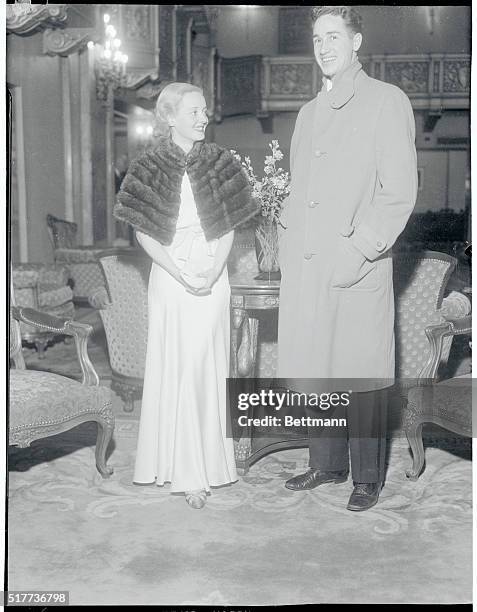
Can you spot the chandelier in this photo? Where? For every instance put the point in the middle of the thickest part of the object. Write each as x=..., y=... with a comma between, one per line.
x=110, y=62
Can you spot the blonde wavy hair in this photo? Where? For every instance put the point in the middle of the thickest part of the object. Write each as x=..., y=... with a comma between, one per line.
x=167, y=104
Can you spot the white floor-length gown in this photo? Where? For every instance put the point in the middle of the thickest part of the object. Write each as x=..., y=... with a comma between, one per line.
x=182, y=431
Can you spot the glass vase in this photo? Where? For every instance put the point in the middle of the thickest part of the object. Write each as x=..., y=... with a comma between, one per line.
x=266, y=249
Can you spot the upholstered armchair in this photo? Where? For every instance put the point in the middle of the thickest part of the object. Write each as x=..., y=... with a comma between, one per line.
x=81, y=261
x=433, y=397
x=122, y=305
x=420, y=281
x=45, y=288
x=43, y=404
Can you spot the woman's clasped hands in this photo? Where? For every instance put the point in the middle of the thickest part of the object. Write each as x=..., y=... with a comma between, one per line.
x=199, y=283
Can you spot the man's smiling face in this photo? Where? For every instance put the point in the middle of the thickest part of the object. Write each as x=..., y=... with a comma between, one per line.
x=334, y=44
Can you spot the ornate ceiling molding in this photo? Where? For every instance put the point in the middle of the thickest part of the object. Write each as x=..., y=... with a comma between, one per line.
x=67, y=41
x=25, y=18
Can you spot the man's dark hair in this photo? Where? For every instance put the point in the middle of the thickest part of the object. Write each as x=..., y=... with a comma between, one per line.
x=352, y=18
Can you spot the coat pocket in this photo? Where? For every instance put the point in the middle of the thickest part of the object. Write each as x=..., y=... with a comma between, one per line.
x=352, y=265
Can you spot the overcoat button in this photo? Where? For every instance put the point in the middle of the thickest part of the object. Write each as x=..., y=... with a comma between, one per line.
x=313, y=204
x=308, y=255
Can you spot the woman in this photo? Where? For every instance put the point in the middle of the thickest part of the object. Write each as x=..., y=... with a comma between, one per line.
x=184, y=197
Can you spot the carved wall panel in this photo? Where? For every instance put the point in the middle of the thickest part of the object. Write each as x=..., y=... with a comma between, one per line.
x=411, y=76
x=456, y=76
x=291, y=79
x=138, y=23
x=239, y=90
x=432, y=82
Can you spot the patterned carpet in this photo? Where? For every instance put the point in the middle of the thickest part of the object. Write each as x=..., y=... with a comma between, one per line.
x=110, y=542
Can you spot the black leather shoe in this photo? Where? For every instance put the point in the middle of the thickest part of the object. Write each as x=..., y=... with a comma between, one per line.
x=365, y=495
x=313, y=477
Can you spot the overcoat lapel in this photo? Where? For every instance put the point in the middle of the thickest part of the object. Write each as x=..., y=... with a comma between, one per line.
x=328, y=102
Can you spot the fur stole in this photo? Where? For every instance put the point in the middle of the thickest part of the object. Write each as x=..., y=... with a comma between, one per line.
x=149, y=198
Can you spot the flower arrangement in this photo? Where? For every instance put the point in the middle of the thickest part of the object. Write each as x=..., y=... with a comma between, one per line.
x=274, y=187
x=271, y=190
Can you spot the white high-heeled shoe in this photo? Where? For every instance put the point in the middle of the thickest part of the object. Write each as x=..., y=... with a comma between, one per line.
x=196, y=499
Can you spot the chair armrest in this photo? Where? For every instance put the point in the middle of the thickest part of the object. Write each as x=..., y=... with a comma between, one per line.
x=460, y=326
x=436, y=334
x=42, y=320
x=99, y=298
x=79, y=331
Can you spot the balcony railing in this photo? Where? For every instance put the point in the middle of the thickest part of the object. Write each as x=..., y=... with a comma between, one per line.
x=263, y=85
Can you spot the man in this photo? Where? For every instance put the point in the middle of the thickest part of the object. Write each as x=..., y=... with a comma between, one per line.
x=354, y=185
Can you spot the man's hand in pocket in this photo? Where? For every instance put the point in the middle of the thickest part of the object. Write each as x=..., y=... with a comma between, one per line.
x=351, y=266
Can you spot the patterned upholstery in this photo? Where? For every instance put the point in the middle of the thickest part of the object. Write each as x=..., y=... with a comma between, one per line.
x=125, y=317
x=44, y=398
x=54, y=297
x=419, y=284
x=43, y=287
x=26, y=278
x=81, y=262
x=86, y=277
x=78, y=255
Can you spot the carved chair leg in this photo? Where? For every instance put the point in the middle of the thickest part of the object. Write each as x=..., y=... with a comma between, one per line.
x=414, y=437
x=243, y=451
x=105, y=434
x=40, y=347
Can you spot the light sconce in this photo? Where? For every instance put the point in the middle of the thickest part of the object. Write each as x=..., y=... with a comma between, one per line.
x=110, y=62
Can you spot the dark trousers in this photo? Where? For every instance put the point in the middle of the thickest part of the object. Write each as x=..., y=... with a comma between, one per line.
x=362, y=443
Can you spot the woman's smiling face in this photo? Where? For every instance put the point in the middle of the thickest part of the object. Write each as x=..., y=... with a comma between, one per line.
x=190, y=119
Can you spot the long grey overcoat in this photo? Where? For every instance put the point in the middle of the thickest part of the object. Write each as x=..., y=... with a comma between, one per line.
x=354, y=185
